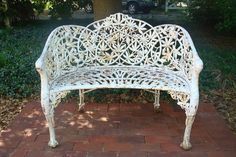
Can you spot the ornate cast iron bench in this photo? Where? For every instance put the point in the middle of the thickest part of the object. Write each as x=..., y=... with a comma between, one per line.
x=120, y=52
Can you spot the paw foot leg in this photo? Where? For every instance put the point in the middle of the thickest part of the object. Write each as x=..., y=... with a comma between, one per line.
x=53, y=143
x=186, y=145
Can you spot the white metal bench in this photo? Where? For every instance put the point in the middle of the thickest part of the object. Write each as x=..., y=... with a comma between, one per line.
x=120, y=52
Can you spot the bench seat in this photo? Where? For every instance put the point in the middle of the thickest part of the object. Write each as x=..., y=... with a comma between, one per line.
x=136, y=77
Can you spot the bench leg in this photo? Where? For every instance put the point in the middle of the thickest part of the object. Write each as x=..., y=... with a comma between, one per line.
x=51, y=124
x=186, y=145
x=49, y=115
x=157, y=101
x=81, y=100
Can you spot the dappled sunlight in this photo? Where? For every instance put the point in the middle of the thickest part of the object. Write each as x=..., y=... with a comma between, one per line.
x=103, y=119
x=80, y=131
x=85, y=124
x=8, y=132
x=5, y=131
x=64, y=113
x=28, y=132
x=72, y=123
x=2, y=144
x=81, y=117
x=87, y=119
x=34, y=113
x=89, y=114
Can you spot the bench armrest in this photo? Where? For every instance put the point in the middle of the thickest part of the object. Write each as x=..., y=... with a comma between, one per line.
x=40, y=63
x=52, y=62
x=197, y=62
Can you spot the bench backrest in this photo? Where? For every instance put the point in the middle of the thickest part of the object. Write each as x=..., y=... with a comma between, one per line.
x=119, y=40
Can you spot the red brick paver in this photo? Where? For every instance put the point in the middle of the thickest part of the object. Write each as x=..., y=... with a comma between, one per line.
x=117, y=130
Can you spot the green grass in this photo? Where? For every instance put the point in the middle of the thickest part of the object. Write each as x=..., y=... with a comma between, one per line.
x=21, y=46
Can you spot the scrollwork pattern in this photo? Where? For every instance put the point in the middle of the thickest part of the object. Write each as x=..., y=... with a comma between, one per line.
x=120, y=41
x=120, y=52
x=56, y=97
x=183, y=100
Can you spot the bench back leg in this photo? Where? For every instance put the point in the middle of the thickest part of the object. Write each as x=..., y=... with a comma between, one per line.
x=157, y=101
x=81, y=100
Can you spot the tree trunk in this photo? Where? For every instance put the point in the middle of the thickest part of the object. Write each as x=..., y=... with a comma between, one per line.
x=6, y=21
x=6, y=18
x=103, y=8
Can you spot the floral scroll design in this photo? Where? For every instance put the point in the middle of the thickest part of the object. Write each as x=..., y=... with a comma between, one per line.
x=119, y=40
x=56, y=97
x=122, y=40
x=65, y=51
x=183, y=100
x=169, y=47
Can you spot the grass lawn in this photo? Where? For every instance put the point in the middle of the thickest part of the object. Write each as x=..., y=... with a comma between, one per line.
x=20, y=47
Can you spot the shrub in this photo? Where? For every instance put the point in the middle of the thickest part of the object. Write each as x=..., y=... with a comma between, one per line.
x=2, y=60
x=63, y=8
x=16, y=10
x=19, y=49
x=39, y=5
x=221, y=14
x=21, y=10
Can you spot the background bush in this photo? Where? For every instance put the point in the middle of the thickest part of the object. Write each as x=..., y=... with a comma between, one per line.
x=17, y=10
x=26, y=10
x=220, y=14
x=19, y=50
x=62, y=8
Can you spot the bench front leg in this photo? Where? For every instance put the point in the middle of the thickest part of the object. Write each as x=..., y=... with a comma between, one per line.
x=51, y=125
x=48, y=111
x=191, y=110
x=186, y=145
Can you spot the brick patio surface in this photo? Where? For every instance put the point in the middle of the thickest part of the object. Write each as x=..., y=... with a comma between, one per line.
x=117, y=130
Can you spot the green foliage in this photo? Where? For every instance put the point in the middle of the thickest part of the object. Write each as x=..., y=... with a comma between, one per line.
x=219, y=13
x=18, y=52
x=63, y=8
x=218, y=72
x=25, y=10
x=39, y=5
x=20, y=10
x=227, y=19
x=16, y=10
x=3, y=6
x=2, y=60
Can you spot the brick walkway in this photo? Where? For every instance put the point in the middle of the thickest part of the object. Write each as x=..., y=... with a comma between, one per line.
x=117, y=130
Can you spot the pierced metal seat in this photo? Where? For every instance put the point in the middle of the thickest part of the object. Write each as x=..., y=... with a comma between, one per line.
x=122, y=77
